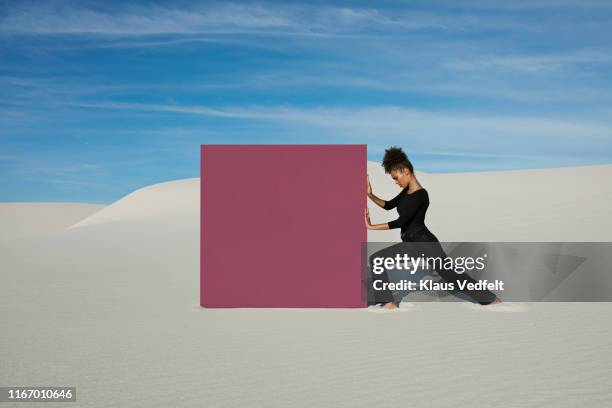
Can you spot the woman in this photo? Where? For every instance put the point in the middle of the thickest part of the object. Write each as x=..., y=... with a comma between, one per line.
x=412, y=203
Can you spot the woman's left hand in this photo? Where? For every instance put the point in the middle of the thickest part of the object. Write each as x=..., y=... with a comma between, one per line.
x=367, y=218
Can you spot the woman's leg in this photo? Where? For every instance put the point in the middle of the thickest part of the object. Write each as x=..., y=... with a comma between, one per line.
x=385, y=295
x=382, y=279
x=484, y=297
x=427, y=249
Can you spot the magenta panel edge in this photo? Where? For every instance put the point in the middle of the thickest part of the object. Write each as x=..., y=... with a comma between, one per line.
x=282, y=225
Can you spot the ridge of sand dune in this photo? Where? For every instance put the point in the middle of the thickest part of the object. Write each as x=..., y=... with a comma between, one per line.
x=555, y=204
x=171, y=198
x=567, y=204
x=28, y=220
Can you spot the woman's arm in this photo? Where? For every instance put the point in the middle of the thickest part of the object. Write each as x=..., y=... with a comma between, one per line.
x=369, y=225
x=388, y=205
x=408, y=211
x=378, y=201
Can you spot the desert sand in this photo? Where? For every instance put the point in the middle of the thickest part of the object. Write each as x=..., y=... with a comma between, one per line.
x=26, y=220
x=107, y=300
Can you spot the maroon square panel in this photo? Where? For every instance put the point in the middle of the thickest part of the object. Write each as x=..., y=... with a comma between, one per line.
x=282, y=225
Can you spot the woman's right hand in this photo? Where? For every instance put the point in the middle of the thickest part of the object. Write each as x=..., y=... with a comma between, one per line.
x=368, y=223
x=379, y=202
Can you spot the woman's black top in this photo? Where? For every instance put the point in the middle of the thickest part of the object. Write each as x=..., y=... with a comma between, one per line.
x=411, y=209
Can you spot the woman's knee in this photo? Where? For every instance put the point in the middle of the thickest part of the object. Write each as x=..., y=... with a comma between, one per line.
x=388, y=252
x=377, y=258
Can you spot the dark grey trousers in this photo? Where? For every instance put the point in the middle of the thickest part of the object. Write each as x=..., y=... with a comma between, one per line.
x=423, y=243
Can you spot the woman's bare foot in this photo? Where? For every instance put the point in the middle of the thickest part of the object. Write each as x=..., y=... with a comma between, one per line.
x=390, y=305
x=496, y=301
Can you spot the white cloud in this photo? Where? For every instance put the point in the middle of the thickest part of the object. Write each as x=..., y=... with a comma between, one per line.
x=222, y=18
x=518, y=5
x=529, y=63
x=70, y=18
x=393, y=119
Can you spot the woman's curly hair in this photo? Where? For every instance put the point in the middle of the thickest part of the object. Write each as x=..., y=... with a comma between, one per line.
x=396, y=159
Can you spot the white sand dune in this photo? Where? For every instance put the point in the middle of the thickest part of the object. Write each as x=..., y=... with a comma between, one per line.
x=111, y=306
x=561, y=204
x=180, y=197
x=27, y=220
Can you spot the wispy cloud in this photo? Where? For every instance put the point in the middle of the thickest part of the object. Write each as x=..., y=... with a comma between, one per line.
x=124, y=92
x=527, y=4
x=531, y=63
x=387, y=118
x=73, y=18
x=222, y=18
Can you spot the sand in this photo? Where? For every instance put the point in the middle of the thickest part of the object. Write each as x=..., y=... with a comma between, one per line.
x=544, y=205
x=27, y=220
x=112, y=307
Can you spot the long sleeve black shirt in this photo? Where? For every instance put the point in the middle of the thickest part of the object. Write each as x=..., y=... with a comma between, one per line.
x=410, y=207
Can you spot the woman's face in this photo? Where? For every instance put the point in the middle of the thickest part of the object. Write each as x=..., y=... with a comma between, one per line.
x=401, y=177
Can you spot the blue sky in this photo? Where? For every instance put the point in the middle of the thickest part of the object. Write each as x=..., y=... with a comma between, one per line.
x=98, y=99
